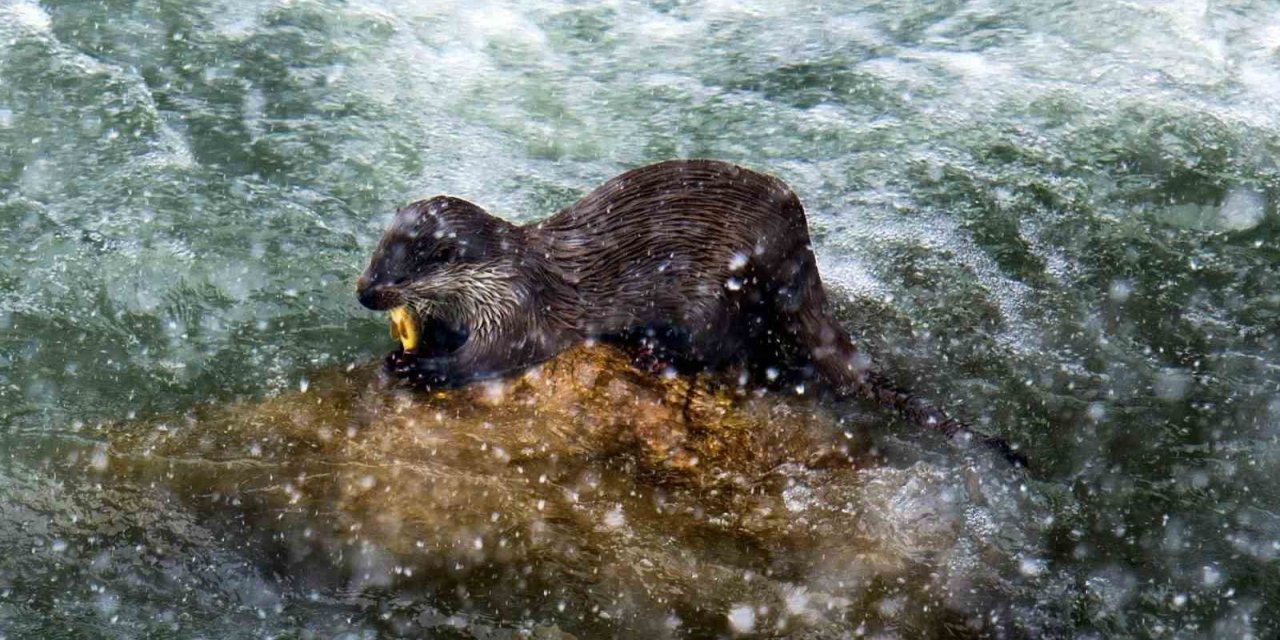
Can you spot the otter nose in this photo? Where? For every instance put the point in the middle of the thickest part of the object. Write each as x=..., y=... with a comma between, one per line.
x=378, y=297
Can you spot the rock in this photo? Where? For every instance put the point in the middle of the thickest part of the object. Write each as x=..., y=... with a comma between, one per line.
x=584, y=495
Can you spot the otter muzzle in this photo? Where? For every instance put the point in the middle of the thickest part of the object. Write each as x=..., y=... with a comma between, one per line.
x=404, y=328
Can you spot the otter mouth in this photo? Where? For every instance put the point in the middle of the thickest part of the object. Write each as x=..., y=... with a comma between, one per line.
x=426, y=336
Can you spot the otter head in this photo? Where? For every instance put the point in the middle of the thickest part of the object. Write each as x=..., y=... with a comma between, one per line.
x=445, y=267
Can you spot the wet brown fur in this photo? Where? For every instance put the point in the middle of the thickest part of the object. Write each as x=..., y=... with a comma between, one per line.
x=705, y=262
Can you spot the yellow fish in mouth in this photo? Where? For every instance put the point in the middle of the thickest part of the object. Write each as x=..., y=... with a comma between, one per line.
x=404, y=328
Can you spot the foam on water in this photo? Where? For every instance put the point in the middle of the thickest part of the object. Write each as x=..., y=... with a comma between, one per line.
x=1242, y=209
x=27, y=15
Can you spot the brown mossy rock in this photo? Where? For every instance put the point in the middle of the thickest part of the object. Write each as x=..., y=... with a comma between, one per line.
x=589, y=403
x=584, y=493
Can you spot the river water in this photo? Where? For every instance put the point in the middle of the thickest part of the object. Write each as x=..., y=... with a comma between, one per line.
x=1057, y=217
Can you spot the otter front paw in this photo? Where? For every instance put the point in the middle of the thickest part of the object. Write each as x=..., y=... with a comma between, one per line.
x=654, y=358
x=398, y=362
x=427, y=373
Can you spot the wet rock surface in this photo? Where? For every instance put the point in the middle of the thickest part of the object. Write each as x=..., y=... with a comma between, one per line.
x=583, y=497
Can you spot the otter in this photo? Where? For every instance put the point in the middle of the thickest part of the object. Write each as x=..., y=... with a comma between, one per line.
x=702, y=264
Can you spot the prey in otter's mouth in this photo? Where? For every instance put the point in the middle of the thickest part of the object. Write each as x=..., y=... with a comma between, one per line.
x=426, y=336
x=704, y=263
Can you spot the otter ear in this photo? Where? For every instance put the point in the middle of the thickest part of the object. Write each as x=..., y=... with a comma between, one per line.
x=421, y=219
x=436, y=212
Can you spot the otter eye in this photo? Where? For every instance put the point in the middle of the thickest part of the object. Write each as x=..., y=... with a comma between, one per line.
x=444, y=254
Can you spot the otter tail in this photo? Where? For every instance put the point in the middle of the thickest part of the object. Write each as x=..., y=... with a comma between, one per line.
x=870, y=385
x=834, y=356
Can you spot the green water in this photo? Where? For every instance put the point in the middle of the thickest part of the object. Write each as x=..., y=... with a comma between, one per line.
x=1058, y=218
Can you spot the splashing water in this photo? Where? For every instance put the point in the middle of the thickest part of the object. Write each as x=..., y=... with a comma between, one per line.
x=1058, y=219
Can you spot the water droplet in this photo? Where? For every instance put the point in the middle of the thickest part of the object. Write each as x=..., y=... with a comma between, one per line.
x=742, y=618
x=1120, y=290
x=1242, y=209
x=99, y=460
x=1096, y=412
x=614, y=519
x=1031, y=567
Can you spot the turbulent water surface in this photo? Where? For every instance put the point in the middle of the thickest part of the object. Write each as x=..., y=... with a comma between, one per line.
x=1057, y=218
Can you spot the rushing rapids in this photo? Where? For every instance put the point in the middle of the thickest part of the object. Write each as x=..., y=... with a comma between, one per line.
x=1057, y=220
